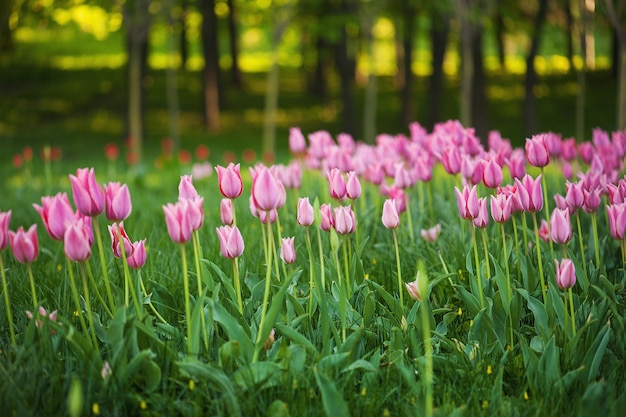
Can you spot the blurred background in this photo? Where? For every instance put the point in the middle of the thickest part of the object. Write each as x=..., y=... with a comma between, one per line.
x=235, y=75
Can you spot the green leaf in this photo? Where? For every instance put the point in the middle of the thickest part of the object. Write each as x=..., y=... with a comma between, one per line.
x=296, y=337
x=333, y=402
x=359, y=364
x=234, y=330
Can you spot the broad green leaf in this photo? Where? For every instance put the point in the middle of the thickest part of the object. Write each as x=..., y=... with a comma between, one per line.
x=296, y=337
x=333, y=402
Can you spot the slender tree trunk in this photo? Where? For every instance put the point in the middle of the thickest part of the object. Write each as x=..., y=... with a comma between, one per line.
x=578, y=13
x=530, y=112
x=319, y=86
x=467, y=64
x=235, y=70
x=371, y=90
x=345, y=66
x=172, y=82
x=569, y=21
x=440, y=28
x=407, y=107
x=210, y=74
x=6, y=37
x=616, y=17
x=184, y=45
x=499, y=26
x=480, y=104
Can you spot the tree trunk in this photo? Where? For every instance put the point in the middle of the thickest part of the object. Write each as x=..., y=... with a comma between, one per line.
x=440, y=28
x=184, y=45
x=467, y=64
x=6, y=37
x=499, y=26
x=319, y=86
x=235, y=70
x=406, y=95
x=345, y=66
x=480, y=104
x=137, y=22
x=530, y=112
x=569, y=21
x=371, y=90
x=619, y=27
x=210, y=74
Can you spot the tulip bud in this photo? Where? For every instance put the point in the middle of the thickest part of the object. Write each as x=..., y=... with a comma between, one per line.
x=305, y=212
x=565, y=273
x=390, y=216
x=287, y=250
x=24, y=244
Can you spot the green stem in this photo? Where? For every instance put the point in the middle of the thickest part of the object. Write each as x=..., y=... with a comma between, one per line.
x=517, y=253
x=266, y=293
x=565, y=329
x=571, y=307
x=400, y=289
x=145, y=294
x=237, y=287
x=321, y=253
x=525, y=235
x=594, y=225
x=7, y=301
x=508, y=279
x=539, y=263
x=547, y=208
x=486, y=253
x=346, y=269
x=583, y=260
x=187, y=303
x=93, y=283
x=480, y=282
x=428, y=347
x=342, y=298
x=79, y=310
x=127, y=281
x=88, y=305
x=197, y=254
x=310, y=251
x=105, y=273
x=409, y=218
x=276, y=250
x=32, y=288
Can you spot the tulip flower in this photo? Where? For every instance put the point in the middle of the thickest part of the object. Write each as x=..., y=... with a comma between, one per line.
x=305, y=212
x=297, y=143
x=138, y=257
x=231, y=241
x=402, y=176
x=482, y=219
x=118, y=203
x=565, y=273
x=413, y=288
x=229, y=179
x=327, y=217
x=52, y=316
x=537, y=151
x=336, y=184
x=24, y=244
x=5, y=219
x=390, y=216
x=530, y=193
x=492, y=174
x=543, y=231
x=617, y=220
x=467, y=201
x=451, y=160
x=226, y=211
x=353, y=186
x=267, y=191
x=117, y=232
x=76, y=241
x=501, y=208
x=517, y=164
x=186, y=188
x=287, y=250
x=55, y=213
x=431, y=235
x=344, y=222
x=592, y=200
x=178, y=221
x=560, y=226
x=268, y=217
x=88, y=194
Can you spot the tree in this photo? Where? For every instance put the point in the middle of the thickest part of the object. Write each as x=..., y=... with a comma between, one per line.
x=210, y=74
x=439, y=30
x=6, y=37
x=233, y=33
x=529, y=110
x=408, y=15
x=617, y=15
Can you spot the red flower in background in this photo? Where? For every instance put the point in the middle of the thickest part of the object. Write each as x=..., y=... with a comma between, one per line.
x=111, y=151
x=202, y=152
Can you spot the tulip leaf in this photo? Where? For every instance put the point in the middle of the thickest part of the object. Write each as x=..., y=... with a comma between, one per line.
x=333, y=402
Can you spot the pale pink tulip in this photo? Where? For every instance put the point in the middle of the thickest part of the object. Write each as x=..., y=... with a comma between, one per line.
x=492, y=174
x=482, y=220
x=537, y=151
x=327, y=217
x=138, y=257
x=287, y=250
x=560, y=226
x=186, y=189
x=345, y=222
x=413, y=288
x=565, y=273
x=226, y=211
x=118, y=203
x=24, y=244
x=501, y=208
x=353, y=186
x=5, y=219
x=617, y=220
x=178, y=222
x=88, y=194
x=231, y=241
x=76, y=242
x=390, y=216
x=267, y=191
x=229, y=179
x=55, y=213
x=336, y=184
x=305, y=213
x=431, y=235
x=530, y=193
x=467, y=202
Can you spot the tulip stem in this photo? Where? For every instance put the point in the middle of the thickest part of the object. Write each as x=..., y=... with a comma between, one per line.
x=486, y=253
x=310, y=251
x=145, y=294
x=197, y=254
x=237, y=287
x=275, y=249
x=409, y=218
x=539, y=263
x=128, y=284
x=480, y=282
x=400, y=289
x=321, y=252
x=79, y=310
x=508, y=279
x=594, y=225
x=525, y=235
x=547, y=204
x=580, y=243
x=571, y=307
x=517, y=254
x=105, y=273
x=32, y=287
x=92, y=281
x=342, y=298
x=266, y=293
x=7, y=301
x=88, y=305
x=346, y=268
x=428, y=347
x=187, y=304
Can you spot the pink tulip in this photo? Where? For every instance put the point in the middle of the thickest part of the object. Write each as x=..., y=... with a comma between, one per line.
x=327, y=217
x=414, y=288
x=345, y=223
x=201, y=170
x=565, y=273
x=492, y=174
x=569, y=150
x=530, y=193
x=55, y=213
x=537, y=151
x=544, y=233
x=76, y=242
x=560, y=226
x=517, y=163
x=374, y=173
x=268, y=216
x=617, y=220
x=402, y=176
x=186, y=188
x=287, y=250
x=118, y=204
x=482, y=220
x=138, y=258
x=5, y=219
x=467, y=201
x=24, y=244
x=390, y=217
x=431, y=235
x=42, y=314
x=226, y=211
x=501, y=208
x=267, y=191
x=88, y=194
x=297, y=143
x=336, y=184
x=178, y=221
x=574, y=195
x=353, y=186
x=117, y=232
x=196, y=213
x=399, y=196
x=451, y=160
x=229, y=179
x=305, y=212
x=231, y=241
x=592, y=200
x=561, y=203
x=586, y=151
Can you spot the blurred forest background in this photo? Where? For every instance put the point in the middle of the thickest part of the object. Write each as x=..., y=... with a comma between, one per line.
x=236, y=74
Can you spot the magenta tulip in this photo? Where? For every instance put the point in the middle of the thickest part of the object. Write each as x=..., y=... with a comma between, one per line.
x=287, y=250
x=76, y=242
x=390, y=217
x=345, y=222
x=231, y=241
x=482, y=220
x=492, y=174
x=138, y=258
x=88, y=194
x=592, y=200
x=574, y=195
x=178, y=222
x=543, y=231
x=537, y=151
x=467, y=202
x=327, y=217
x=517, y=163
x=226, y=211
x=501, y=208
x=118, y=203
x=353, y=186
x=5, y=219
x=560, y=226
x=305, y=212
x=229, y=179
x=55, y=213
x=267, y=191
x=297, y=143
x=24, y=244
x=117, y=232
x=565, y=273
x=402, y=176
x=617, y=220
x=186, y=189
x=336, y=184
x=530, y=193
x=451, y=160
